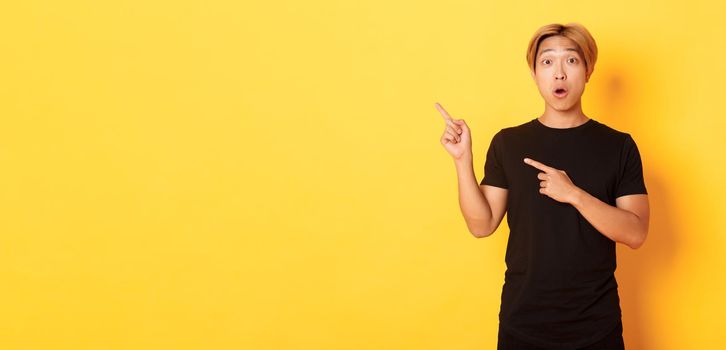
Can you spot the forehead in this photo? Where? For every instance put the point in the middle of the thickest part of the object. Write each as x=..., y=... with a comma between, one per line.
x=557, y=43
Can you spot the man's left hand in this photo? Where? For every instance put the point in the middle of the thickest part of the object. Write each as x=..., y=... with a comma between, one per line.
x=555, y=183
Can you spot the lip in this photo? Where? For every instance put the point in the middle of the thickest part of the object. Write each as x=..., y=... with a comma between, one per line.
x=560, y=95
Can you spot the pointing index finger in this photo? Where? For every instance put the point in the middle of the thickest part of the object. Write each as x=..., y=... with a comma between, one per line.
x=442, y=111
x=538, y=165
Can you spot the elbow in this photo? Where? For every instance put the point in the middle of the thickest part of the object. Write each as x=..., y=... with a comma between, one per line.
x=481, y=232
x=480, y=227
x=639, y=240
x=635, y=245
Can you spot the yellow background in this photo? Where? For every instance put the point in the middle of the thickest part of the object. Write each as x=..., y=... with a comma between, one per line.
x=268, y=175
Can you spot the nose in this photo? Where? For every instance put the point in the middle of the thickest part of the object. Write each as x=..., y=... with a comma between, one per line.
x=559, y=73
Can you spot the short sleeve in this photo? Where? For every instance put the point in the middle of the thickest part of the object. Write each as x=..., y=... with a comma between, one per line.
x=630, y=174
x=493, y=167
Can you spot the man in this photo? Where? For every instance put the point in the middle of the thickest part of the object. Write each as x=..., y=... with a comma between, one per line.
x=571, y=187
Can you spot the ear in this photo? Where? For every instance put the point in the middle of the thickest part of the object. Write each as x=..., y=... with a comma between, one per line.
x=531, y=72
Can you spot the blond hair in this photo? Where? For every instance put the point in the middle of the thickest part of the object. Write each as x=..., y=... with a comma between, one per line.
x=574, y=31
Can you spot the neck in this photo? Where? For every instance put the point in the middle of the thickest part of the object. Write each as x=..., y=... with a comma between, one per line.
x=563, y=118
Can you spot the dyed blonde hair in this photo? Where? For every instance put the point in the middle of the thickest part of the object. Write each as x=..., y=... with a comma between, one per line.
x=573, y=31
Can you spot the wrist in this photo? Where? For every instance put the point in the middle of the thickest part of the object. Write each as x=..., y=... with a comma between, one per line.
x=465, y=162
x=577, y=197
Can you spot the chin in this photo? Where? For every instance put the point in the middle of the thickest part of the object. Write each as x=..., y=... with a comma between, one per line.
x=561, y=105
x=562, y=109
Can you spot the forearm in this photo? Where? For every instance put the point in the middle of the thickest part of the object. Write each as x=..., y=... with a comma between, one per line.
x=617, y=224
x=474, y=206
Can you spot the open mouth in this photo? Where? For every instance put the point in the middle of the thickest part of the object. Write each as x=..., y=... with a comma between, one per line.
x=560, y=92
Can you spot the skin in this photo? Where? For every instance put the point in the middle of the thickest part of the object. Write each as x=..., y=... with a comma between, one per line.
x=483, y=207
x=558, y=62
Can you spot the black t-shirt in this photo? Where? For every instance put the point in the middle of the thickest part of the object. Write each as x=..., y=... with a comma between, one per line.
x=559, y=288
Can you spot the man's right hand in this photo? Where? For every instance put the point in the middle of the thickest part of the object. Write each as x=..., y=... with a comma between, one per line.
x=457, y=137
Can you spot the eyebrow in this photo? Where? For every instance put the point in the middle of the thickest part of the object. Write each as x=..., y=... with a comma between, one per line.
x=567, y=49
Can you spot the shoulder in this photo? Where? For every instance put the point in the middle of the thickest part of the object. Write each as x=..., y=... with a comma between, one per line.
x=620, y=142
x=515, y=130
x=611, y=135
x=519, y=127
x=608, y=130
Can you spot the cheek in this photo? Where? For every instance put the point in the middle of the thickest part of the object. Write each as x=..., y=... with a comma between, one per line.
x=542, y=85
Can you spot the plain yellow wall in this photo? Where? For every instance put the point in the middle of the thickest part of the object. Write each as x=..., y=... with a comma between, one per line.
x=268, y=175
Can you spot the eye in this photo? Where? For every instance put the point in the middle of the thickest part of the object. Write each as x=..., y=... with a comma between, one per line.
x=573, y=59
x=545, y=60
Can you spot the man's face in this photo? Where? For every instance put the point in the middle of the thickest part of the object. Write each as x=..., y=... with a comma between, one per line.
x=559, y=64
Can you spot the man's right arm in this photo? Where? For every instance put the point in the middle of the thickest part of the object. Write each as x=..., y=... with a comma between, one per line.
x=483, y=206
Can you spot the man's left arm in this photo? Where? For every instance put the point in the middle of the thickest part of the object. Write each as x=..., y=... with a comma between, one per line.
x=626, y=222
